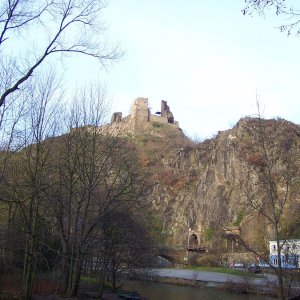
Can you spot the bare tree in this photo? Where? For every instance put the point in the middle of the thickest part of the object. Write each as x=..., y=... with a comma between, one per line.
x=24, y=183
x=63, y=26
x=42, y=124
x=93, y=172
x=125, y=242
x=63, y=186
x=280, y=7
x=270, y=185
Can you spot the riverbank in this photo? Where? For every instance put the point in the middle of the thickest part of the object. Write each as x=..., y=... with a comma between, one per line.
x=162, y=291
x=264, y=284
x=242, y=288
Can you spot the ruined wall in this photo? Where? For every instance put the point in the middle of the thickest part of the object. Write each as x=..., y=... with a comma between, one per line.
x=166, y=112
x=116, y=117
x=162, y=120
x=158, y=119
x=140, y=117
x=139, y=114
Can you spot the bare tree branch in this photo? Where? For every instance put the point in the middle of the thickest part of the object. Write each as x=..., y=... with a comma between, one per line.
x=58, y=21
x=280, y=7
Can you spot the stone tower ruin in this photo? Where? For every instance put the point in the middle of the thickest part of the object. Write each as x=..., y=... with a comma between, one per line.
x=165, y=112
x=140, y=114
x=140, y=117
x=116, y=117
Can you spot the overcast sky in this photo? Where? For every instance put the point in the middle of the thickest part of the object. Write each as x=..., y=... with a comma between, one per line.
x=202, y=56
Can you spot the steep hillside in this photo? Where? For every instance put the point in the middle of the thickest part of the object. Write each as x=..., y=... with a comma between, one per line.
x=201, y=188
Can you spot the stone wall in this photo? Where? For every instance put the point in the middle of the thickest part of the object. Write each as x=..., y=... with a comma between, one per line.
x=116, y=117
x=166, y=112
x=158, y=119
x=139, y=114
x=162, y=120
x=140, y=117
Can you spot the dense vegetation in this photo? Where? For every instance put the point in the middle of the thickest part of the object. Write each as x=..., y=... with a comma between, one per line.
x=72, y=203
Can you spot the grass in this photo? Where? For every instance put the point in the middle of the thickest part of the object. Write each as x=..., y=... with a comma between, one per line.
x=157, y=125
x=242, y=272
x=89, y=279
x=94, y=281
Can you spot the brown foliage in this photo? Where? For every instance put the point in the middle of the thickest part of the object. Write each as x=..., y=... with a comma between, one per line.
x=12, y=286
x=144, y=160
x=169, y=178
x=255, y=159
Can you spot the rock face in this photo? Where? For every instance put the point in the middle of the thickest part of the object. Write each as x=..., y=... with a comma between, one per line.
x=198, y=188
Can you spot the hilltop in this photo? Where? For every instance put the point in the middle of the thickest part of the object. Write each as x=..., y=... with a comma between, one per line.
x=198, y=188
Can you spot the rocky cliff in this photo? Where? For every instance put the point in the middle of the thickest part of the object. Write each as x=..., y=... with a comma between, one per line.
x=201, y=187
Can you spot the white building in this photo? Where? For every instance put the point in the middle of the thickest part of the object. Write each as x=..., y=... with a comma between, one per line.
x=290, y=253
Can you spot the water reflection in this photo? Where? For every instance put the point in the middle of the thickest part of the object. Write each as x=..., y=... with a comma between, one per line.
x=161, y=291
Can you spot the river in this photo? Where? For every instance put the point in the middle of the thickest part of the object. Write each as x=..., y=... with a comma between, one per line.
x=163, y=291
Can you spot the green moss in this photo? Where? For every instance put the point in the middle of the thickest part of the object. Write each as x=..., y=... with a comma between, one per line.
x=208, y=233
x=157, y=125
x=239, y=218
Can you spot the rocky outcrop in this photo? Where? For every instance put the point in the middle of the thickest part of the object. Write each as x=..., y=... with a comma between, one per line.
x=199, y=187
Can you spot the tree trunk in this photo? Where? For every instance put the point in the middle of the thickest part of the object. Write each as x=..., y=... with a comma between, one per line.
x=280, y=271
x=30, y=249
x=114, y=270
x=28, y=269
x=73, y=274
x=103, y=274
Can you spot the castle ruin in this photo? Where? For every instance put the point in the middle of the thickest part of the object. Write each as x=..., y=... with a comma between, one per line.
x=140, y=117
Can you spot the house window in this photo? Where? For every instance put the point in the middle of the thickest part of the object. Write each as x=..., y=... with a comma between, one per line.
x=274, y=247
x=275, y=261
